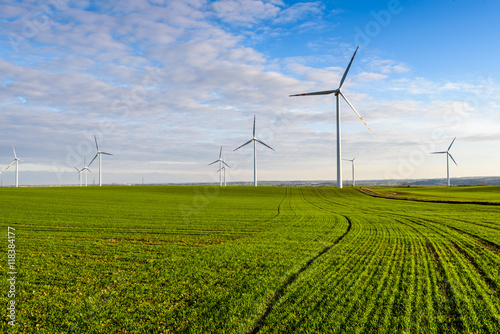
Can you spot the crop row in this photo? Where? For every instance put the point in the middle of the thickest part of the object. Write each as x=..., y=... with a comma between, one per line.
x=204, y=259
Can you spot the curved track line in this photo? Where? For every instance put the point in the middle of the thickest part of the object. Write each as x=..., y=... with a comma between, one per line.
x=281, y=290
x=374, y=194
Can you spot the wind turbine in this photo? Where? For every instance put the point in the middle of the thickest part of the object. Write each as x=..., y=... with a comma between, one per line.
x=223, y=169
x=99, y=153
x=79, y=175
x=16, y=160
x=86, y=169
x=352, y=162
x=221, y=163
x=255, y=140
x=338, y=92
x=448, y=155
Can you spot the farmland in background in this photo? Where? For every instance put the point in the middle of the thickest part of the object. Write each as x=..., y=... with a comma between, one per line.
x=247, y=260
x=490, y=194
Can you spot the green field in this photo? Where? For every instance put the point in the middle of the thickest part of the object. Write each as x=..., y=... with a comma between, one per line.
x=489, y=194
x=246, y=260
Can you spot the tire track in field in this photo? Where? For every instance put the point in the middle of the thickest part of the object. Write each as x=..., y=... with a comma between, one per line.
x=442, y=280
x=486, y=243
x=491, y=284
x=446, y=289
x=281, y=203
x=281, y=290
x=473, y=263
x=427, y=200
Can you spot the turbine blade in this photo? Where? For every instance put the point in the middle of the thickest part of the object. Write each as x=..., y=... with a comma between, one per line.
x=78, y=170
x=325, y=92
x=260, y=141
x=254, y=126
x=452, y=159
x=225, y=164
x=452, y=143
x=349, y=103
x=248, y=142
x=96, y=146
x=106, y=153
x=213, y=162
x=220, y=153
x=15, y=156
x=10, y=164
x=347, y=69
x=93, y=160
x=438, y=152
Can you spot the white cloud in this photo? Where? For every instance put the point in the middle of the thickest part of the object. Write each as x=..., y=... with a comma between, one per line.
x=246, y=11
x=300, y=11
x=370, y=76
x=388, y=66
x=167, y=83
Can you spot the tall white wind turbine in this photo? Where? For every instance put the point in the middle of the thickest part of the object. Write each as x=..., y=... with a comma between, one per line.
x=16, y=160
x=338, y=92
x=255, y=140
x=352, y=162
x=99, y=153
x=221, y=164
x=448, y=155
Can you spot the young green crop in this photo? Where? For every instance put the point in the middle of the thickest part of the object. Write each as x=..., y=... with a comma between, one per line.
x=247, y=260
x=455, y=194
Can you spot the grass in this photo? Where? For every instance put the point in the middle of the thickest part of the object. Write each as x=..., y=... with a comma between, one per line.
x=247, y=260
x=456, y=194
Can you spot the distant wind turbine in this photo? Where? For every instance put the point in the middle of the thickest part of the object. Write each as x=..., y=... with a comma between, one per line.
x=352, y=162
x=448, y=155
x=16, y=160
x=99, y=153
x=338, y=92
x=79, y=175
x=84, y=169
x=223, y=169
x=254, y=140
x=221, y=164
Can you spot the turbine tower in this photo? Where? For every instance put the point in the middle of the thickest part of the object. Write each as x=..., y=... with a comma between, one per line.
x=352, y=162
x=86, y=169
x=99, y=153
x=16, y=160
x=255, y=140
x=448, y=155
x=223, y=169
x=338, y=92
x=221, y=163
x=79, y=175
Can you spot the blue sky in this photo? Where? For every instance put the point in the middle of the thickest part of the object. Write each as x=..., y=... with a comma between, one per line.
x=163, y=84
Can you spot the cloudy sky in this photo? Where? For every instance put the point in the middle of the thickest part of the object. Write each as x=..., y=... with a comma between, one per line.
x=164, y=83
